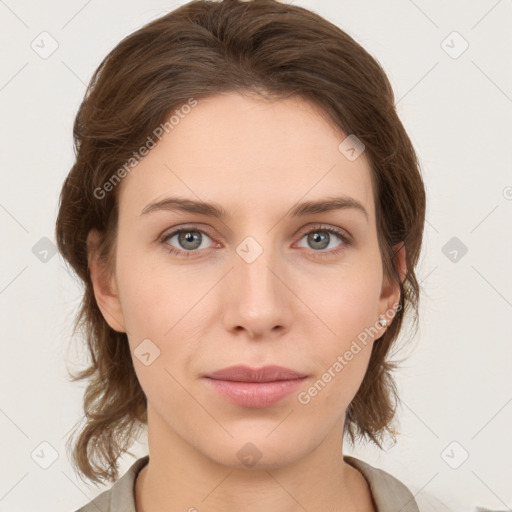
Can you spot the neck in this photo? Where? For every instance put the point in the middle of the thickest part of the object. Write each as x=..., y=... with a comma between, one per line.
x=179, y=477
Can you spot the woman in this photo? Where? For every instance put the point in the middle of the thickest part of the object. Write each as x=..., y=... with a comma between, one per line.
x=246, y=211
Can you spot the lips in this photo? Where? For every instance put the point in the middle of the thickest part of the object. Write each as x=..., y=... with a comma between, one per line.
x=241, y=373
x=255, y=387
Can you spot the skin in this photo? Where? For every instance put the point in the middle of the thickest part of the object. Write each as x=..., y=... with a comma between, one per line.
x=290, y=306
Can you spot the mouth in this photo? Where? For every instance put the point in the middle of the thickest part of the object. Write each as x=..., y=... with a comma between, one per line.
x=241, y=373
x=255, y=388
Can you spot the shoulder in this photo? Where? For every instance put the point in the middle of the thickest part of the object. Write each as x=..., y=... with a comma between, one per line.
x=388, y=492
x=101, y=502
x=120, y=497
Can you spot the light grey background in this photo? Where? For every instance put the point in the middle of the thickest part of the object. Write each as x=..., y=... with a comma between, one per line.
x=456, y=384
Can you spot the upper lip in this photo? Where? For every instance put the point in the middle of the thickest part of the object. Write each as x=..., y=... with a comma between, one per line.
x=241, y=373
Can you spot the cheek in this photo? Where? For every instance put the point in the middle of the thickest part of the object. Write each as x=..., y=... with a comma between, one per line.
x=348, y=305
x=151, y=298
x=346, y=300
x=168, y=308
x=158, y=319
x=341, y=364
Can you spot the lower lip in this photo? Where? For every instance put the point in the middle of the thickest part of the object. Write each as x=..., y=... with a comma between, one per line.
x=255, y=394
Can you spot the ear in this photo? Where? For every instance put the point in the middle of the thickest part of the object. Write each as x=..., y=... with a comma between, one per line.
x=104, y=285
x=390, y=295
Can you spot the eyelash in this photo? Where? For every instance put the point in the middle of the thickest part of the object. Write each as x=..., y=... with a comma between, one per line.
x=347, y=242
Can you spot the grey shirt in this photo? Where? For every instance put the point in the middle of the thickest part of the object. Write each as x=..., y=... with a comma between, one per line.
x=389, y=494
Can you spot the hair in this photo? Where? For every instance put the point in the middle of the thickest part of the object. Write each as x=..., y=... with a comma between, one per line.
x=199, y=50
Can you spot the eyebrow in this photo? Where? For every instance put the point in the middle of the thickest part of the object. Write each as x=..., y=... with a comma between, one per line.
x=215, y=210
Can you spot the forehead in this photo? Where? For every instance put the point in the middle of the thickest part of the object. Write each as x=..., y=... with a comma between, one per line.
x=248, y=153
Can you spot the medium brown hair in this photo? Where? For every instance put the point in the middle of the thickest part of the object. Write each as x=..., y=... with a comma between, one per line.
x=201, y=49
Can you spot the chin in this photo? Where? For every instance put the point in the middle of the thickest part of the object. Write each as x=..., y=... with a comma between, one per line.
x=257, y=452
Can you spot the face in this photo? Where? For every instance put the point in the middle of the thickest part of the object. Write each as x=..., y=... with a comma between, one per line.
x=269, y=283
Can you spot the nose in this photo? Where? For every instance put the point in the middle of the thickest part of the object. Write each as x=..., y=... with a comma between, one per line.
x=257, y=299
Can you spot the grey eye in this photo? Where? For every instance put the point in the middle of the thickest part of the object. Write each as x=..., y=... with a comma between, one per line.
x=187, y=239
x=320, y=239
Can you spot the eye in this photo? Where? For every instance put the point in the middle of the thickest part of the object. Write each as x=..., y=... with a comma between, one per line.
x=189, y=241
x=320, y=238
